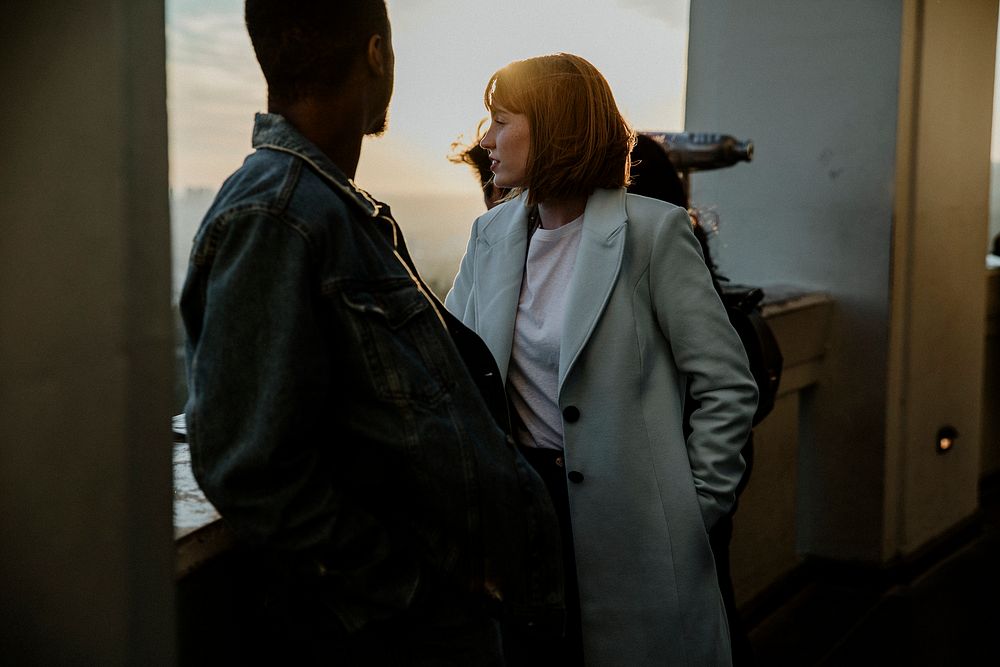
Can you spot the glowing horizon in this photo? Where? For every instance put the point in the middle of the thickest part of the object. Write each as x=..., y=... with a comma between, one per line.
x=445, y=52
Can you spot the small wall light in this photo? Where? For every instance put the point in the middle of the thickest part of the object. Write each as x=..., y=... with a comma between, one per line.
x=946, y=437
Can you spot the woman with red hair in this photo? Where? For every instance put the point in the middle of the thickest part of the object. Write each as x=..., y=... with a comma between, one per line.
x=602, y=316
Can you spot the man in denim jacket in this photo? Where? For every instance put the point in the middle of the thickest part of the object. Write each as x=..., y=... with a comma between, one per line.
x=347, y=428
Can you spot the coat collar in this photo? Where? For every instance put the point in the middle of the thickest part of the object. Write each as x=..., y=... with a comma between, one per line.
x=504, y=235
x=504, y=238
x=598, y=263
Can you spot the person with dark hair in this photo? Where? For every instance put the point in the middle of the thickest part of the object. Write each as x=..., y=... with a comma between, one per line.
x=653, y=174
x=477, y=157
x=351, y=432
x=602, y=316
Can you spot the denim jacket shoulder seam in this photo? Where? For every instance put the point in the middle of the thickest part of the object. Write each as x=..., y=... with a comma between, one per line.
x=289, y=183
x=220, y=223
x=355, y=196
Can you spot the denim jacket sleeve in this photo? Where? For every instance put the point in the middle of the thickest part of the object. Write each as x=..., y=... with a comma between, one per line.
x=260, y=400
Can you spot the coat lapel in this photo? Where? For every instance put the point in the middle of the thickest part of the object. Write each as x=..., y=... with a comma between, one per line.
x=598, y=262
x=500, y=268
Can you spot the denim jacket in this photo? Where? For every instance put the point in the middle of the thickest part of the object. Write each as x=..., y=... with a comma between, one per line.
x=336, y=411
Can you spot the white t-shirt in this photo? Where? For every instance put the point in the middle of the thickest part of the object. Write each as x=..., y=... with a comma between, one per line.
x=533, y=375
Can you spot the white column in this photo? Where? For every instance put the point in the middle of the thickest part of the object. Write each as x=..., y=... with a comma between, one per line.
x=938, y=321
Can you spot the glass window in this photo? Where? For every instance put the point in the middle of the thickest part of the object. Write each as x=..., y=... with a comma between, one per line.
x=445, y=52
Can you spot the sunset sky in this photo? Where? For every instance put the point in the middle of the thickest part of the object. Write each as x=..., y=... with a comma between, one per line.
x=445, y=52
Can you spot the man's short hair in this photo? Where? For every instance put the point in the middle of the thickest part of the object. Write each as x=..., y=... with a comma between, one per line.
x=579, y=139
x=308, y=47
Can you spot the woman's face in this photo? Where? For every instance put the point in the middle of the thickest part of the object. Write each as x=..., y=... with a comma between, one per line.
x=507, y=143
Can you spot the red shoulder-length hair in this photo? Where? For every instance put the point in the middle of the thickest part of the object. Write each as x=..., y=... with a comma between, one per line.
x=579, y=140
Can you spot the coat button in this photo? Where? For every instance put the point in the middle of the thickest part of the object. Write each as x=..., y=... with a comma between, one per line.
x=560, y=462
x=575, y=476
x=571, y=413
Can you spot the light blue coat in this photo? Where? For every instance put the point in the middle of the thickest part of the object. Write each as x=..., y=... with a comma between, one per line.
x=642, y=323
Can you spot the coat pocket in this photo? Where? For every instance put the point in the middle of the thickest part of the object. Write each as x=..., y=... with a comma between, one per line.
x=404, y=344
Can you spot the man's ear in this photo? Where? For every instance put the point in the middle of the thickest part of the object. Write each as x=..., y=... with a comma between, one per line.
x=376, y=54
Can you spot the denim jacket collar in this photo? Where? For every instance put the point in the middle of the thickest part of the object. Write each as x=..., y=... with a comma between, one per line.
x=273, y=131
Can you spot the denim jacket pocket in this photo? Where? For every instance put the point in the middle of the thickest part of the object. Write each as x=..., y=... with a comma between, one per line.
x=402, y=339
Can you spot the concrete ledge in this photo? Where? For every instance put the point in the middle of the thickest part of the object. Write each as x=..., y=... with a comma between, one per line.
x=763, y=548
x=200, y=546
x=199, y=532
x=800, y=321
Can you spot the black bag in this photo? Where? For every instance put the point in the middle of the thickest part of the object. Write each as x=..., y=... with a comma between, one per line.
x=743, y=307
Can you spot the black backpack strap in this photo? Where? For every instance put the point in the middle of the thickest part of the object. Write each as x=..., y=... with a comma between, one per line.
x=763, y=353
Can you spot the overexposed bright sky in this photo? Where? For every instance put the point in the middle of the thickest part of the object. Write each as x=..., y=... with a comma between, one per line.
x=445, y=53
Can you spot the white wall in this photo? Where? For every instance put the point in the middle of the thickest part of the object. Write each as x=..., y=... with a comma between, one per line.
x=870, y=181
x=814, y=85
x=85, y=364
